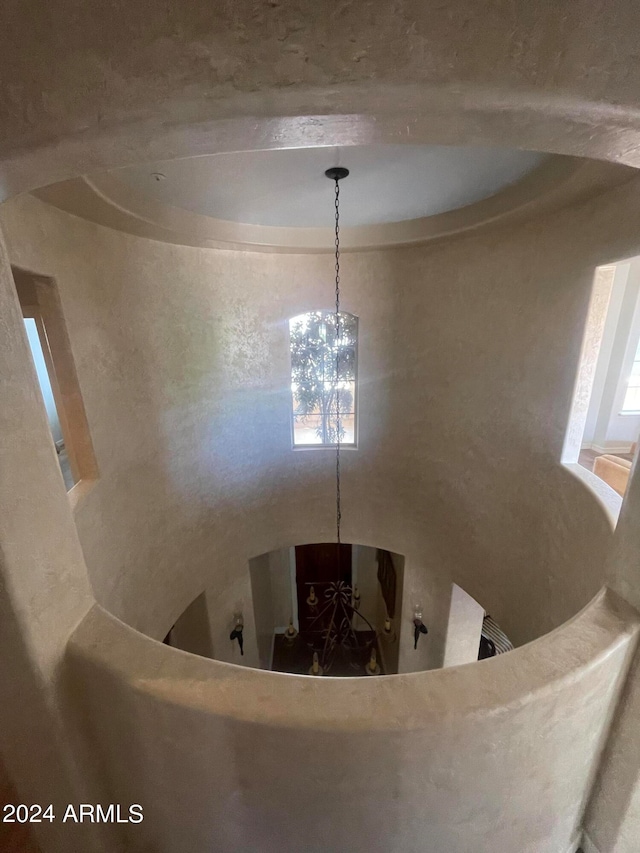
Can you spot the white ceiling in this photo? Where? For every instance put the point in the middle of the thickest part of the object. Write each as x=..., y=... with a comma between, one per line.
x=287, y=188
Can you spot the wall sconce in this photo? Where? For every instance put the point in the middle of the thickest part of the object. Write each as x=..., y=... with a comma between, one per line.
x=418, y=626
x=236, y=634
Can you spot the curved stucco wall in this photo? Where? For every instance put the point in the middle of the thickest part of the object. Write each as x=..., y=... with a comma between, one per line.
x=102, y=89
x=222, y=757
x=468, y=353
x=83, y=89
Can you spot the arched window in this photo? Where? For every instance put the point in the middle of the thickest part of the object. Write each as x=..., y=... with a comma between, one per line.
x=316, y=391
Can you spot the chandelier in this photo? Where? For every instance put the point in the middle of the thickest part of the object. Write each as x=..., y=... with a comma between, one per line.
x=338, y=637
x=337, y=641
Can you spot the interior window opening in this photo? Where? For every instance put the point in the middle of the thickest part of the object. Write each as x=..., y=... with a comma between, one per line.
x=604, y=424
x=324, y=378
x=53, y=417
x=57, y=378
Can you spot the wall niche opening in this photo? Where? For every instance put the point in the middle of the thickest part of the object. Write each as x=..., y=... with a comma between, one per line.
x=54, y=364
x=604, y=424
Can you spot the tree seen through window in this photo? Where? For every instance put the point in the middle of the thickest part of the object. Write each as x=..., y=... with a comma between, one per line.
x=316, y=390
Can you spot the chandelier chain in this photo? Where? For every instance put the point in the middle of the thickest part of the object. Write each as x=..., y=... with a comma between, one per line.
x=338, y=344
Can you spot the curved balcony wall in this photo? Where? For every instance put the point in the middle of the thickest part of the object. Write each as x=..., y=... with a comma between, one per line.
x=224, y=757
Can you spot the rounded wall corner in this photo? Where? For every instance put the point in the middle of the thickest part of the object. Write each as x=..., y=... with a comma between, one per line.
x=606, y=498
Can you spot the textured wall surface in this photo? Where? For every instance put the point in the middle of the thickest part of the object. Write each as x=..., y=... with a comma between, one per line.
x=594, y=331
x=468, y=353
x=86, y=87
x=102, y=87
x=44, y=591
x=262, y=594
x=464, y=629
x=613, y=817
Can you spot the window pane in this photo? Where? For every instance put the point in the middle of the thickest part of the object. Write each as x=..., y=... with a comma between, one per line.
x=345, y=398
x=346, y=333
x=316, y=356
x=346, y=363
x=347, y=428
x=308, y=429
x=632, y=400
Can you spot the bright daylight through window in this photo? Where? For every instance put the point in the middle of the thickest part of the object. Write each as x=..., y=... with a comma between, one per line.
x=631, y=402
x=316, y=394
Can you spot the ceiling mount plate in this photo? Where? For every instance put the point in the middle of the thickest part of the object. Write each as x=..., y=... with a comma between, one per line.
x=336, y=173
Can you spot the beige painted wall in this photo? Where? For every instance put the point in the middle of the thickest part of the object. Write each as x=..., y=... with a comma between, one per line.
x=103, y=88
x=463, y=628
x=263, y=608
x=44, y=594
x=271, y=589
x=364, y=568
x=192, y=632
x=282, y=585
x=613, y=817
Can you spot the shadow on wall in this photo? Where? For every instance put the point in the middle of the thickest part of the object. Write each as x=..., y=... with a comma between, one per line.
x=192, y=631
